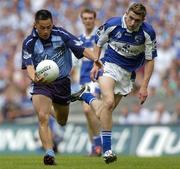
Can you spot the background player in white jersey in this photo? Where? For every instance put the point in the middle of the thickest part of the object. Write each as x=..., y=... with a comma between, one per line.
x=131, y=44
x=50, y=42
x=88, y=17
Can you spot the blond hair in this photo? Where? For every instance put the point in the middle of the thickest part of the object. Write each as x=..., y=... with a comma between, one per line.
x=138, y=9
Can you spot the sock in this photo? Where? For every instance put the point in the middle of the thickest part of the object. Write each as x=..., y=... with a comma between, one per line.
x=50, y=152
x=97, y=140
x=106, y=140
x=88, y=97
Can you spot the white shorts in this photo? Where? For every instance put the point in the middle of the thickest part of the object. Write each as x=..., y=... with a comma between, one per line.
x=124, y=84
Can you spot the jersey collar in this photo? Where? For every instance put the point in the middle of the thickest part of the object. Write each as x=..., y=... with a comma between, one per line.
x=92, y=33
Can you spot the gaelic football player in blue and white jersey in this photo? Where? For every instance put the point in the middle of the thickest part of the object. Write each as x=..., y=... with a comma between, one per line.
x=88, y=17
x=50, y=42
x=131, y=44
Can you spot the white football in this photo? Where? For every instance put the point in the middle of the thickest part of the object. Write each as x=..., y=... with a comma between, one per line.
x=49, y=69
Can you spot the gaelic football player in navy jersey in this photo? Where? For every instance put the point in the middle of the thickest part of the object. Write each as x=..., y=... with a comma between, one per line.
x=131, y=44
x=50, y=42
x=88, y=17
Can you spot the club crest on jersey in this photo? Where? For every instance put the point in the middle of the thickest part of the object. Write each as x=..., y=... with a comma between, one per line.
x=118, y=35
x=138, y=38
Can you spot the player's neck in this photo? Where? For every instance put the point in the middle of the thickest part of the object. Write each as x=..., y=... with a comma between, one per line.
x=89, y=31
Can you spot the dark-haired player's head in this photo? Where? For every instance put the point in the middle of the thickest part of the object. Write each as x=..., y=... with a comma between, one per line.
x=135, y=15
x=43, y=23
x=88, y=17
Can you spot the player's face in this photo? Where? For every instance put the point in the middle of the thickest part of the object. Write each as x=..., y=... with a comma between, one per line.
x=44, y=28
x=132, y=20
x=88, y=20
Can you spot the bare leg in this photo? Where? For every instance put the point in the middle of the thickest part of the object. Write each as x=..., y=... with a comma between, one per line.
x=61, y=112
x=42, y=105
x=93, y=121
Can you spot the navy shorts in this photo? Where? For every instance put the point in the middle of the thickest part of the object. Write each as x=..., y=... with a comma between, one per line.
x=59, y=91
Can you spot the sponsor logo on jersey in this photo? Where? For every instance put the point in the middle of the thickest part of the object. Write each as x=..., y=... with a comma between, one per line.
x=127, y=50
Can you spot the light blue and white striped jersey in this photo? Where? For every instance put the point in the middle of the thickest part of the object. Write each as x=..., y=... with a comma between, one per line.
x=127, y=49
x=57, y=48
x=86, y=64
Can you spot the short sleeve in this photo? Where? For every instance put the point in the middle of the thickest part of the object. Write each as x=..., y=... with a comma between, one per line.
x=27, y=51
x=150, y=44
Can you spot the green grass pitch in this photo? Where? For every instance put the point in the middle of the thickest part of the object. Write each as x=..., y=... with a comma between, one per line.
x=82, y=162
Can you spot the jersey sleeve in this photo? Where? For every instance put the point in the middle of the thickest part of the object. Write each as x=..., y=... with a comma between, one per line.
x=26, y=54
x=73, y=43
x=102, y=34
x=150, y=44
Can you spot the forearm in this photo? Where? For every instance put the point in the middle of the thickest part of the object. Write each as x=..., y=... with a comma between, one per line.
x=88, y=53
x=97, y=51
x=31, y=72
x=149, y=67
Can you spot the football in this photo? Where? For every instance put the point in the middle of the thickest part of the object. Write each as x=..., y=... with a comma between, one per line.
x=49, y=69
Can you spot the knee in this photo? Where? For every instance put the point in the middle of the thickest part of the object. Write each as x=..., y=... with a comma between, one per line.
x=87, y=111
x=43, y=118
x=109, y=103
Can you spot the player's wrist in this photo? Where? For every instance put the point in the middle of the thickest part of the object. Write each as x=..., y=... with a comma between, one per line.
x=96, y=60
x=144, y=87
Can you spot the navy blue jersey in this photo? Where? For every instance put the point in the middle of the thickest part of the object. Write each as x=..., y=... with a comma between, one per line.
x=57, y=48
x=128, y=49
x=87, y=64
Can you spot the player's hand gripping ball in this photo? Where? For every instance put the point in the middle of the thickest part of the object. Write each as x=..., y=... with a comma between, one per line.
x=48, y=69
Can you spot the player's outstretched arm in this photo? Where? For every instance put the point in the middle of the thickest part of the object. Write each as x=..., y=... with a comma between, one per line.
x=97, y=51
x=88, y=53
x=97, y=64
x=143, y=92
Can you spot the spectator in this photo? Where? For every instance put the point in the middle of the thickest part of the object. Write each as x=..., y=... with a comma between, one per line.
x=176, y=114
x=16, y=20
x=123, y=118
x=139, y=115
x=160, y=115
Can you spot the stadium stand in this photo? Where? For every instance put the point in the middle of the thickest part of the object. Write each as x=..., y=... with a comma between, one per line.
x=16, y=22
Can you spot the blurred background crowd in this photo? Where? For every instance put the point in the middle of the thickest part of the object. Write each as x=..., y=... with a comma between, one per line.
x=16, y=21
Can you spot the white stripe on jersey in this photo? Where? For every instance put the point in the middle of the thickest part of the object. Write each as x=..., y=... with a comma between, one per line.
x=57, y=30
x=150, y=46
x=29, y=41
x=132, y=51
